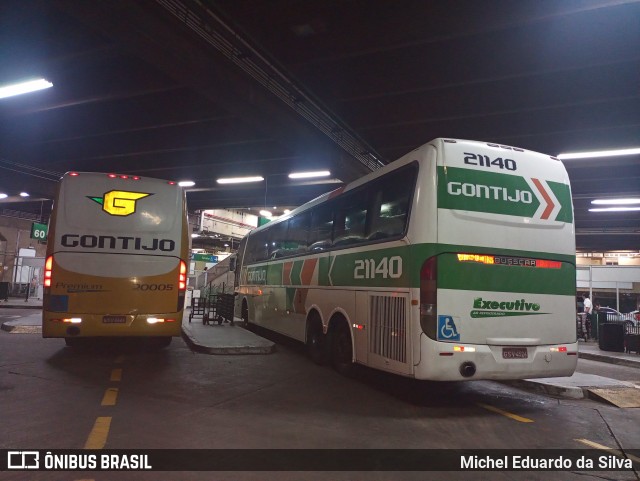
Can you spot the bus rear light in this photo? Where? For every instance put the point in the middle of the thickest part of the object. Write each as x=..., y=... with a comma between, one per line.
x=73, y=174
x=124, y=176
x=182, y=277
x=48, y=271
x=429, y=296
x=464, y=349
x=135, y=177
x=72, y=320
x=558, y=349
x=112, y=176
x=158, y=320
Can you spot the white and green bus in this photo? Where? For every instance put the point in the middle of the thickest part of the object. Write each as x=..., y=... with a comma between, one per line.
x=455, y=262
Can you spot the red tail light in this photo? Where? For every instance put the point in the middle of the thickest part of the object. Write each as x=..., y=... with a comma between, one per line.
x=429, y=296
x=48, y=269
x=182, y=278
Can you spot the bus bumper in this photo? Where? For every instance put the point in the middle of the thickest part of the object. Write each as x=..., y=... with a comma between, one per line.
x=439, y=362
x=98, y=325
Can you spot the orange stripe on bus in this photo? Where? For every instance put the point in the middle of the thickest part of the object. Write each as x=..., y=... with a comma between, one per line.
x=307, y=271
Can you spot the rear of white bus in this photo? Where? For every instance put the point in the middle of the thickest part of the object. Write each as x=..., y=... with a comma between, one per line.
x=497, y=293
x=116, y=258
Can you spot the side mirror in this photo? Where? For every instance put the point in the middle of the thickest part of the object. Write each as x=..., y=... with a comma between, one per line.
x=232, y=265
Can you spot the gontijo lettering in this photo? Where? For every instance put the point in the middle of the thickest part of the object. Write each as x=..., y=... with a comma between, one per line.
x=489, y=192
x=89, y=241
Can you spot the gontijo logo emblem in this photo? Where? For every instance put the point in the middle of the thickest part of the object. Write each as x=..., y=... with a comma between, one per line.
x=119, y=202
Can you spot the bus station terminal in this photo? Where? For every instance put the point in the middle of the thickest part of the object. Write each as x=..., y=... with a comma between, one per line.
x=232, y=339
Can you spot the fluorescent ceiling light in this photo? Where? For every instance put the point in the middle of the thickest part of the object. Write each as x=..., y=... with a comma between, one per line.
x=287, y=211
x=186, y=183
x=615, y=201
x=24, y=194
x=602, y=153
x=308, y=175
x=240, y=180
x=193, y=236
x=614, y=209
x=266, y=213
x=3, y=196
x=24, y=88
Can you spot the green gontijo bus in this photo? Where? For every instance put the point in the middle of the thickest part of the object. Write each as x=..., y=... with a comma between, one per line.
x=116, y=258
x=455, y=262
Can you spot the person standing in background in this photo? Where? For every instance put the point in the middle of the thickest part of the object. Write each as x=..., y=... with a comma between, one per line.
x=588, y=310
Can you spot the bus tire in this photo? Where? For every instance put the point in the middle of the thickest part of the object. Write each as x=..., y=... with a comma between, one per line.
x=164, y=342
x=341, y=349
x=244, y=314
x=316, y=341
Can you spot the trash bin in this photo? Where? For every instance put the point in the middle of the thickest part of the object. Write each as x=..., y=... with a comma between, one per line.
x=601, y=319
x=611, y=337
x=4, y=291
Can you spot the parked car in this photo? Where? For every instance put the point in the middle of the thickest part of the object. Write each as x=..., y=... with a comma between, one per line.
x=632, y=319
x=612, y=314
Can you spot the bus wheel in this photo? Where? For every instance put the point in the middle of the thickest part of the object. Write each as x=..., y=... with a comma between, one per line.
x=245, y=315
x=164, y=341
x=316, y=342
x=341, y=351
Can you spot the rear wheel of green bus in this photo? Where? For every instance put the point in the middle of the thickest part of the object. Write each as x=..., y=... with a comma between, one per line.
x=341, y=348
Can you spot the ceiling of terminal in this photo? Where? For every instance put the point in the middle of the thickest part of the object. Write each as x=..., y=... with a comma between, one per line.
x=203, y=89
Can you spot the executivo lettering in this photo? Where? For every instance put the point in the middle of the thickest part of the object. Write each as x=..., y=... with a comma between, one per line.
x=491, y=308
x=117, y=243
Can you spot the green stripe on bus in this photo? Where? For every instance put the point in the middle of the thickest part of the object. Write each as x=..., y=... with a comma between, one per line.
x=295, y=273
x=399, y=267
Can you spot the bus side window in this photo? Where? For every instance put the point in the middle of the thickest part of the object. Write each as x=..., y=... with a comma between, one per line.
x=391, y=204
x=276, y=240
x=257, y=247
x=351, y=218
x=321, y=226
x=296, y=243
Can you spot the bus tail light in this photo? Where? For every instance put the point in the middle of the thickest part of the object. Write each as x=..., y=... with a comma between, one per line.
x=182, y=278
x=157, y=320
x=429, y=296
x=48, y=269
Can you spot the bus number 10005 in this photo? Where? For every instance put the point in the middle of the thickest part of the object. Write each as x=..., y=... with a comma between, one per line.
x=388, y=267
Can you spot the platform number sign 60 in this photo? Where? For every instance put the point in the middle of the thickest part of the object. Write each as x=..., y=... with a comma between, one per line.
x=39, y=231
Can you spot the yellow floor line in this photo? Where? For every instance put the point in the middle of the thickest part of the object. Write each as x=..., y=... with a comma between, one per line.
x=98, y=435
x=515, y=417
x=110, y=397
x=605, y=448
x=116, y=375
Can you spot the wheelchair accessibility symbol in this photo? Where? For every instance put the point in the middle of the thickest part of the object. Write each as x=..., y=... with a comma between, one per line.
x=447, y=330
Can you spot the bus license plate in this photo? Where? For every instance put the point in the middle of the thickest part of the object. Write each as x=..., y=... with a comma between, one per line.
x=514, y=352
x=114, y=319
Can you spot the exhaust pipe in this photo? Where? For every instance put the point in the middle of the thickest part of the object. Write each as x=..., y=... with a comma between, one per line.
x=467, y=369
